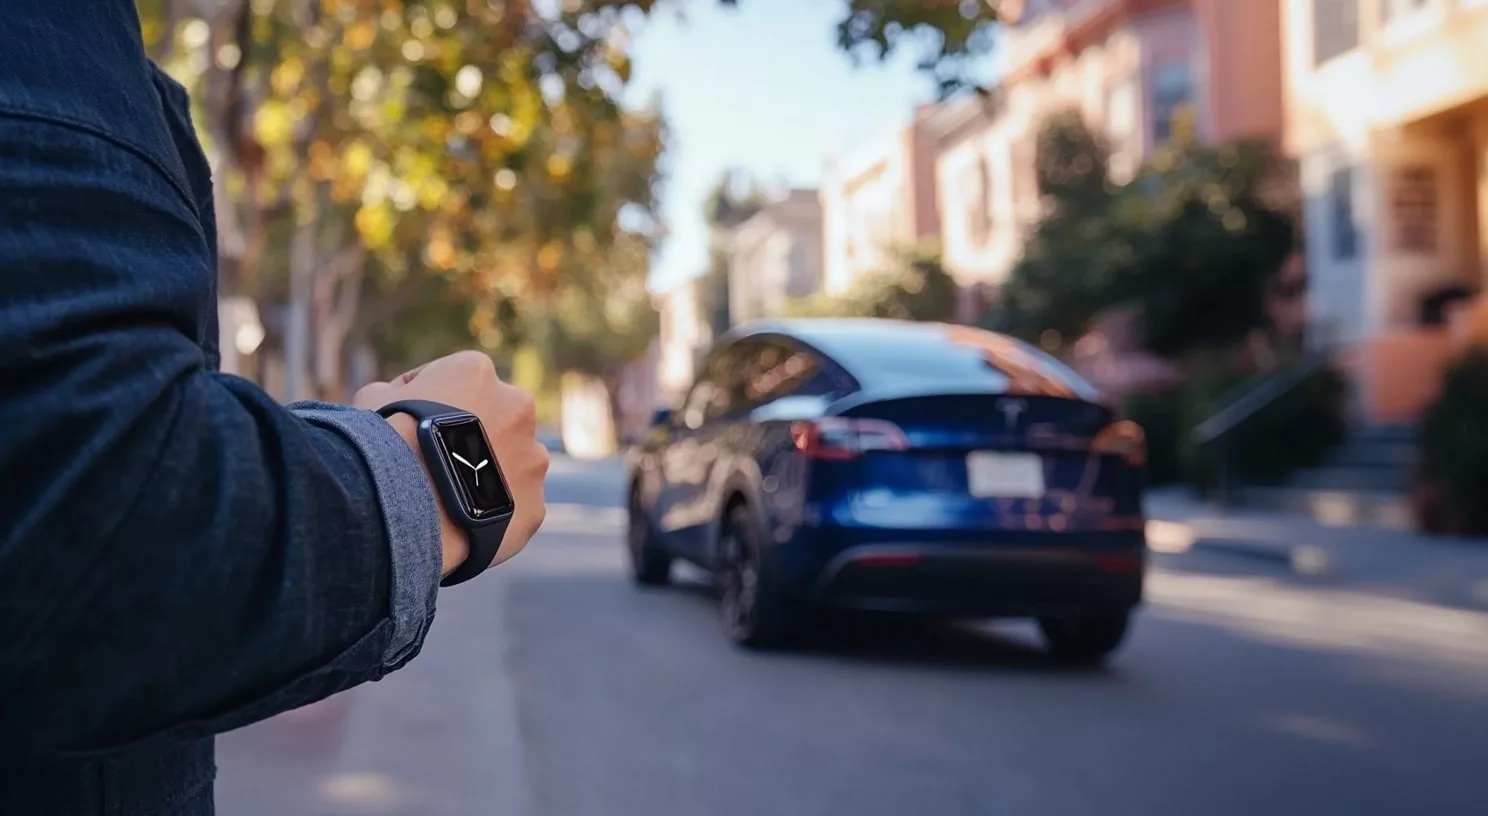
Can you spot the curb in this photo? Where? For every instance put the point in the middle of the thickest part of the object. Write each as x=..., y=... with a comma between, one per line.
x=1255, y=550
x=1177, y=538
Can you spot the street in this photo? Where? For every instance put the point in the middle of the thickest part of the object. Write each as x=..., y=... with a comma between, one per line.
x=554, y=688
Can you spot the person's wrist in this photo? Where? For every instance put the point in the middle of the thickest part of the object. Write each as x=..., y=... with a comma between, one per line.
x=454, y=540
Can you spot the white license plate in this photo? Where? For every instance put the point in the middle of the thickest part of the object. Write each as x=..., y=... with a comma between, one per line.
x=1005, y=475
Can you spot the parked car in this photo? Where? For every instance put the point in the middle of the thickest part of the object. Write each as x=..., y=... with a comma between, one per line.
x=864, y=464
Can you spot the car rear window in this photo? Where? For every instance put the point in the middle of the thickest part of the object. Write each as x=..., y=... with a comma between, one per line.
x=899, y=357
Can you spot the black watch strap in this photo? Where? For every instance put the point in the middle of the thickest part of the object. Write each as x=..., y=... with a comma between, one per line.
x=419, y=409
x=485, y=539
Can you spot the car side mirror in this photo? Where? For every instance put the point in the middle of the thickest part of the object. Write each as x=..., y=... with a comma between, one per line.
x=662, y=416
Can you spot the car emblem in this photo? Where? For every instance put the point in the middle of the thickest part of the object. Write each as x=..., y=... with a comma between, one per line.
x=1011, y=409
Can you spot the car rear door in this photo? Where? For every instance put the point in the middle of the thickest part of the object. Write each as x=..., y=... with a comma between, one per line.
x=693, y=456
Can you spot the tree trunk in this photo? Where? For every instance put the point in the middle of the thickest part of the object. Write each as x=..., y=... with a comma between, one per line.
x=171, y=13
x=613, y=383
x=298, y=314
x=338, y=291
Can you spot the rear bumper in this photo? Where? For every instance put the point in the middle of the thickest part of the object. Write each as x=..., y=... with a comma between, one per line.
x=1011, y=581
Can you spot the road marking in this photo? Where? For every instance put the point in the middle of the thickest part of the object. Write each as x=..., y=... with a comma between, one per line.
x=1339, y=619
x=578, y=519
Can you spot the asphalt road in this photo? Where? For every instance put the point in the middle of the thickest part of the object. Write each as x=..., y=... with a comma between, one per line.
x=554, y=688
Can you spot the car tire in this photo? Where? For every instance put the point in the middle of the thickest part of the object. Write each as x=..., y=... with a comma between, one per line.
x=754, y=611
x=650, y=565
x=1084, y=639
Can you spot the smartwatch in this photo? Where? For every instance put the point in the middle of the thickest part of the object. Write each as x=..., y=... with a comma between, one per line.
x=466, y=477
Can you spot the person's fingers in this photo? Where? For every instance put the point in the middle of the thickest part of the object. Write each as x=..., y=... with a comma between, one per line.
x=407, y=376
x=529, y=464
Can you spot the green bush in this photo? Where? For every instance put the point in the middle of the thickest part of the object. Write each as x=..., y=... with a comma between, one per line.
x=1453, y=444
x=1296, y=430
x=1161, y=417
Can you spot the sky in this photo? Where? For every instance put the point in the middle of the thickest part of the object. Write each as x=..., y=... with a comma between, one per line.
x=762, y=89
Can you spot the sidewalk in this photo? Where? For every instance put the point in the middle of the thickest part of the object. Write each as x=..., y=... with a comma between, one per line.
x=1399, y=563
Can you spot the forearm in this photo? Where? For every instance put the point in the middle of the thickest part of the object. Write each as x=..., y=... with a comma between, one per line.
x=252, y=572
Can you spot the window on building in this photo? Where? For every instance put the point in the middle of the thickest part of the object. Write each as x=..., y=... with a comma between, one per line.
x=1027, y=204
x=978, y=204
x=1391, y=10
x=1343, y=228
x=1120, y=119
x=1414, y=208
x=1335, y=28
x=1172, y=92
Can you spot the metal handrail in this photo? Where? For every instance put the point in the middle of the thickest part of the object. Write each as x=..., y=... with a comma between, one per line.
x=1248, y=399
x=1214, y=430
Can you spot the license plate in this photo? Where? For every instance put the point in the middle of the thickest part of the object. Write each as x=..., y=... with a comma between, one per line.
x=1005, y=475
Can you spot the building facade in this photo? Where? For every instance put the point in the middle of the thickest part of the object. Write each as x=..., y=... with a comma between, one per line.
x=683, y=337
x=880, y=198
x=775, y=256
x=1387, y=115
x=1140, y=72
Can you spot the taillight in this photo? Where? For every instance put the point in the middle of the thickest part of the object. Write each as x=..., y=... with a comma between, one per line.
x=840, y=439
x=1125, y=439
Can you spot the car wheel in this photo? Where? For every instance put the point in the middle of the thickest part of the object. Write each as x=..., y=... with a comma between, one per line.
x=649, y=564
x=1084, y=639
x=754, y=613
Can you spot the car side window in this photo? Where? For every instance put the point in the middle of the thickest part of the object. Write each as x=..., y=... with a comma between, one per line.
x=727, y=396
x=695, y=407
x=779, y=369
x=756, y=371
x=712, y=395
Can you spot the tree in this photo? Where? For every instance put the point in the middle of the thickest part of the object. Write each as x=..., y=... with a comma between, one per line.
x=951, y=35
x=390, y=166
x=1217, y=230
x=598, y=328
x=1074, y=256
x=1192, y=243
x=407, y=138
x=915, y=286
x=733, y=201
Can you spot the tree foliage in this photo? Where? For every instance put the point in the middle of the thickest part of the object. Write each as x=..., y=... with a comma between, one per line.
x=411, y=173
x=733, y=200
x=950, y=35
x=598, y=328
x=1193, y=242
x=1074, y=258
x=913, y=287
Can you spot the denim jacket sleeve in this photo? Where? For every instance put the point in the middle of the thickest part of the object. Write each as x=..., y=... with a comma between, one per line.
x=179, y=554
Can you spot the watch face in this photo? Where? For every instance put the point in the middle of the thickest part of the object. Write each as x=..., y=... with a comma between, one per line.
x=474, y=466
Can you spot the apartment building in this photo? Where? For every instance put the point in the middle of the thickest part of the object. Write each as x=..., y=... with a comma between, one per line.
x=879, y=198
x=684, y=335
x=775, y=256
x=1142, y=72
x=1387, y=114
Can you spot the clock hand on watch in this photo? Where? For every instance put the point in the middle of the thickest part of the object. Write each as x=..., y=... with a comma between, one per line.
x=473, y=468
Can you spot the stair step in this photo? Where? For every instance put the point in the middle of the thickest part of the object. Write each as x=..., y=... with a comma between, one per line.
x=1373, y=454
x=1394, y=432
x=1335, y=508
x=1380, y=479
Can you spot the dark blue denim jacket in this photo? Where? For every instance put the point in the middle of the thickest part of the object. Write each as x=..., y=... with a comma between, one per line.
x=179, y=555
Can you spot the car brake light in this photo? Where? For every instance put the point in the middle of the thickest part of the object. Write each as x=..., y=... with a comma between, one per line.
x=1125, y=439
x=840, y=439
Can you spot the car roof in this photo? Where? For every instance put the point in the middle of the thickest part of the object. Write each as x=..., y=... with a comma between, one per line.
x=890, y=355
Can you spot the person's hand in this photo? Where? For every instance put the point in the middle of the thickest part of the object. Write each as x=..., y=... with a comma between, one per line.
x=467, y=380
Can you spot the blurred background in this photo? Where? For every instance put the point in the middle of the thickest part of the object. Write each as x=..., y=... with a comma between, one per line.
x=1259, y=227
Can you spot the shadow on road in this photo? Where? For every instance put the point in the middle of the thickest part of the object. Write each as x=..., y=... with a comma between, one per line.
x=888, y=638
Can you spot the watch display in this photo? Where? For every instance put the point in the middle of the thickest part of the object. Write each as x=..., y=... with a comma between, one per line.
x=463, y=443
